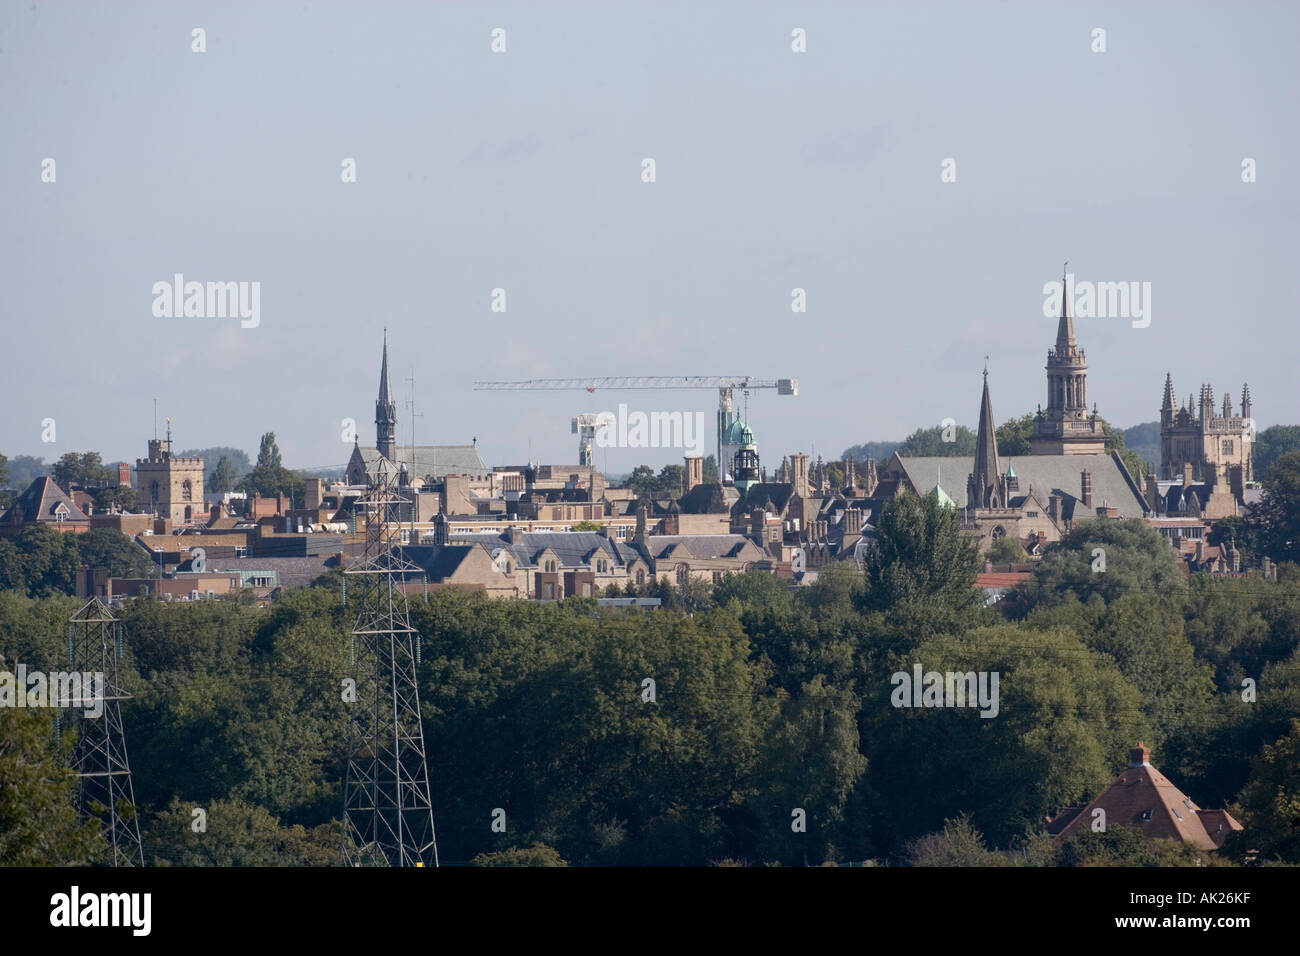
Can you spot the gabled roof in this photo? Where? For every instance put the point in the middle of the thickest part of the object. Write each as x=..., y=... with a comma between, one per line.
x=1143, y=798
x=709, y=498
x=1046, y=475
x=439, y=561
x=571, y=548
x=702, y=546
x=41, y=503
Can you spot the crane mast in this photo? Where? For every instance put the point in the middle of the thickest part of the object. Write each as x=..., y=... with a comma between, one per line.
x=586, y=424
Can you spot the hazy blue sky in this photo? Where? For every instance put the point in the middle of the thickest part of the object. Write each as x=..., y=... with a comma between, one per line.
x=522, y=170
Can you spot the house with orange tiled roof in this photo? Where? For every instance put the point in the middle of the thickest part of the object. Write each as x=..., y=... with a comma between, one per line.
x=1143, y=798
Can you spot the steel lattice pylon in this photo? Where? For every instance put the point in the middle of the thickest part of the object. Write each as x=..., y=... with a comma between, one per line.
x=103, y=771
x=387, y=811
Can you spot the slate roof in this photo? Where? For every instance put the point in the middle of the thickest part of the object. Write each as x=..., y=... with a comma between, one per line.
x=709, y=498
x=439, y=561
x=40, y=501
x=293, y=572
x=573, y=548
x=1143, y=798
x=703, y=546
x=1047, y=475
x=435, y=460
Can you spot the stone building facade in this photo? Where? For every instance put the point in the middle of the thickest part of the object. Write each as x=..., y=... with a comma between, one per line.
x=1217, y=446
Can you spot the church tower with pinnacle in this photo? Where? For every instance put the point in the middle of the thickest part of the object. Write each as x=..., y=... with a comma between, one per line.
x=1067, y=427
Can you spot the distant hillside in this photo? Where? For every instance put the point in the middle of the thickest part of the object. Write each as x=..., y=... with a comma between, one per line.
x=238, y=459
x=1144, y=439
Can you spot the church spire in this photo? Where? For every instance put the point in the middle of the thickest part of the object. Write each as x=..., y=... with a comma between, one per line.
x=1168, y=403
x=984, y=488
x=1065, y=329
x=385, y=411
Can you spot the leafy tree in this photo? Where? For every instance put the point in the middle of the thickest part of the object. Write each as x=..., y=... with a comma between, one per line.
x=877, y=450
x=109, y=548
x=80, y=470
x=643, y=480
x=24, y=469
x=4, y=471
x=1271, y=444
x=585, y=526
x=751, y=589
x=921, y=555
x=1242, y=532
x=237, y=457
x=237, y=834
x=539, y=854
x=928, y=442
x=269, y=477
x=709, y=468
x=1062, y=711
x=40, y=561
x=672, y=480
x=1277, y=516
x=121, y=497
x=1269, y=806
x=223, y=477
x=957, y=844
x=1013, y=436
x=1007, y=550
x=1108, y=558
x=39, y=823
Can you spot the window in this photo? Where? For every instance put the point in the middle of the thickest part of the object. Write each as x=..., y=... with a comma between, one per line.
x=683, y=573
x=187, y=490
x=1227, y=446
x=1146, y=815
x=640, y=577
x=717, y=577
x=1031, y=514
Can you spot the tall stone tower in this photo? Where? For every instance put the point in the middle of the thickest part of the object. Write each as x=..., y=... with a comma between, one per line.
x=1218, y=447
x=1067, y=427
x=385, y=412
x=171, y=488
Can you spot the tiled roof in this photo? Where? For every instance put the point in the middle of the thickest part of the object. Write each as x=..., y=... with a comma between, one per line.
x=1143, y=798
x=40, y=502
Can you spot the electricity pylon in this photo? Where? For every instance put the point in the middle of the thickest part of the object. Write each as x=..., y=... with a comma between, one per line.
x=387, y=811
x=95, y=645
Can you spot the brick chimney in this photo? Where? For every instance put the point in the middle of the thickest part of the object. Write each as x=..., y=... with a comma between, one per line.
x=852, y=520
x=694, y=471
x=311, y=493
x=515, y=535
x=1187, y=475
x=1085, y=488
x=1054, y=507
x=1140, y=756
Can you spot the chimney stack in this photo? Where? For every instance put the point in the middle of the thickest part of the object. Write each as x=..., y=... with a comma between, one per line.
x=694, y=471
x=311, y=493
x=1187, y=475
x=1139, y=756
x=799, y=469
x=1086, y=488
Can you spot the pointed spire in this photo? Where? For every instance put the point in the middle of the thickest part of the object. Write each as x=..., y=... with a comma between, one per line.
x=1168, y=402
x=987, y=469
x=1065, y=330
x=385, y=391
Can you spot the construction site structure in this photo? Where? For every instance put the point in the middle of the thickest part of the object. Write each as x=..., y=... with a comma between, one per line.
x=729, y=438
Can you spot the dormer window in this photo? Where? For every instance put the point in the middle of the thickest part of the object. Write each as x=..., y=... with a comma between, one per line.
x=1146, y=816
